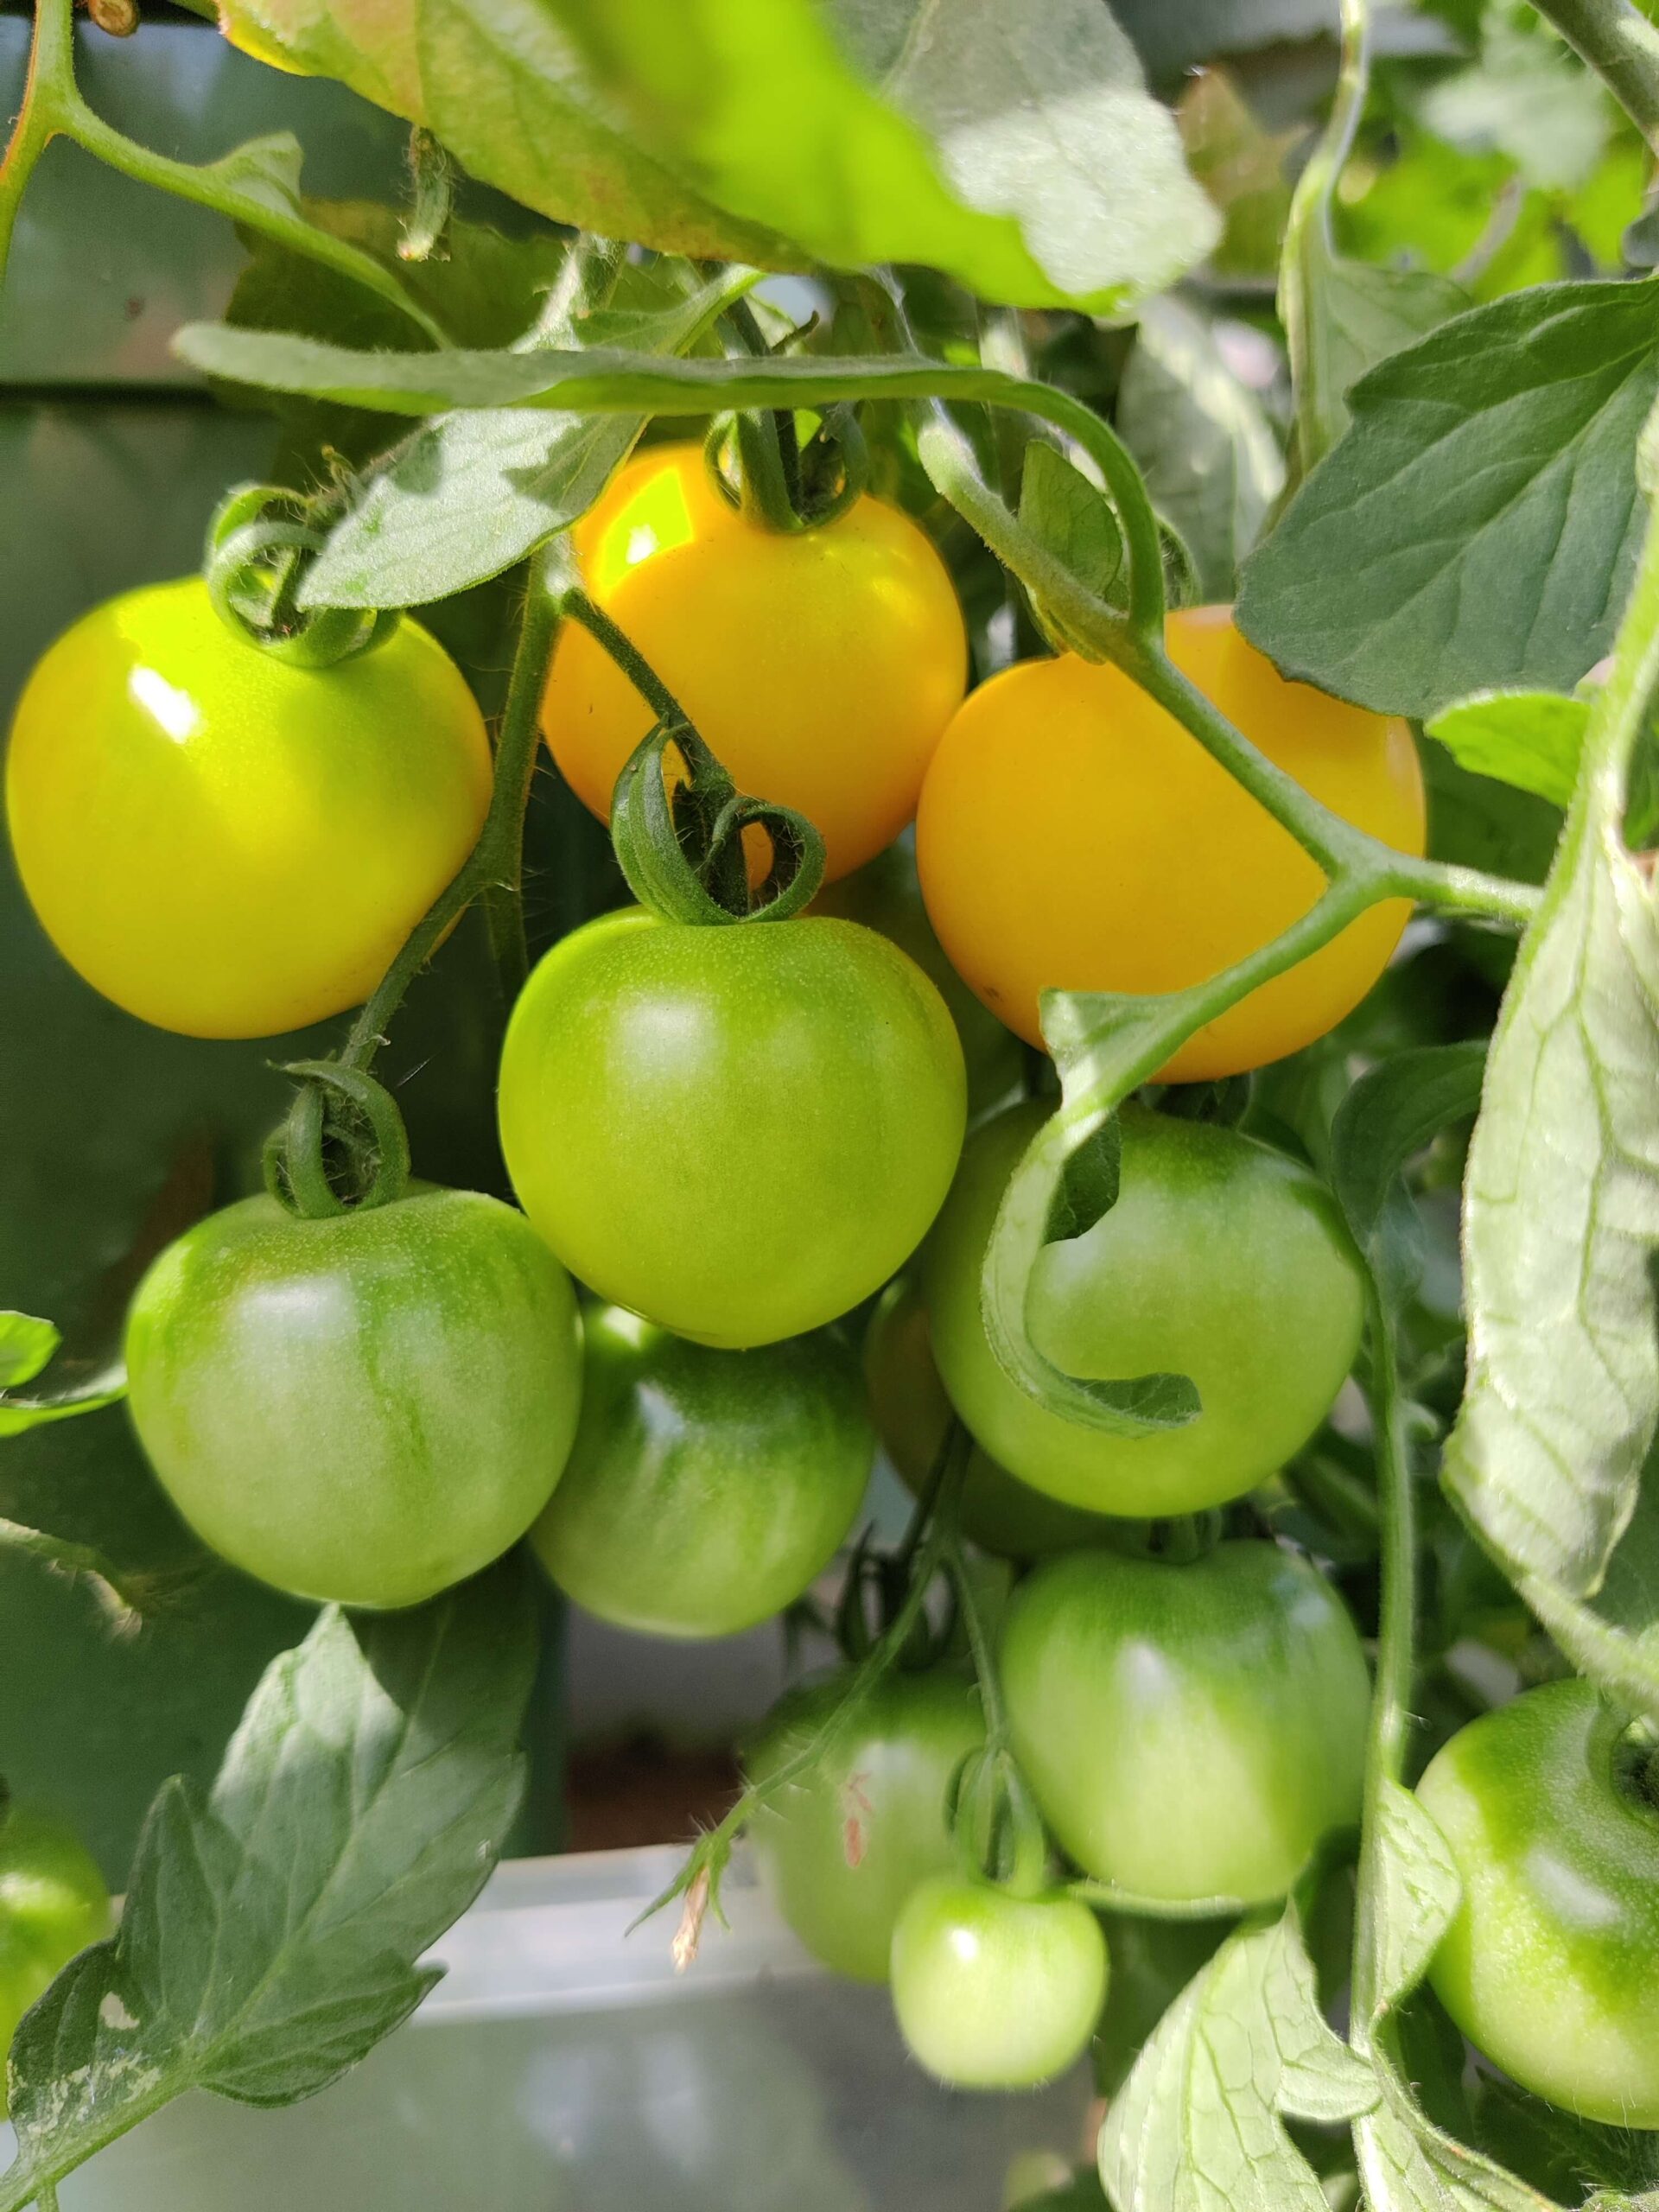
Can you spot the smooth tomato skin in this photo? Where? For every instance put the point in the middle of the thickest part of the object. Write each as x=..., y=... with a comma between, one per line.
x=844, y=1847
x=821, y=665
x=737, y=1132
x=1190, y=1732
x=53, y=1904
x=1001, y=1514
x=995, y=1992
x=1551, y=1966
x=1072, y=835
x=366, y=1408
x=1222, y=1260
x=706, y=1490
x=225, y=846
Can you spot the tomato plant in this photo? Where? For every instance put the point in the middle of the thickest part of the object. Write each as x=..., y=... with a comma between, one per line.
x=1190, y=1731
x=993, y=1991
x=365, y=1407
x=225, y=844
x=1221, y=1260
x=854, y=624
x=53, y=1904
x=705, y=1489
x=739, y=1132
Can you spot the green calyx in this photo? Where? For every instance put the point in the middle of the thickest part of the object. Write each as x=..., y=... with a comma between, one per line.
x=259, y=544
x=996, y=1826
x=343, y=1146
x=758, y=464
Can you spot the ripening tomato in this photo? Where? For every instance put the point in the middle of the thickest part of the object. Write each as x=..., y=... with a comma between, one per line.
x=1551, y=1966
x=1222, y=1260
x=365, y=1408
x=993, y=1991
x=705, y=1489
x=1190, y=1732
x=226, y=845
x=738, y=1131
x=821, y=665
x=53, y=1904
x=1072, y=835
x=844, y=1844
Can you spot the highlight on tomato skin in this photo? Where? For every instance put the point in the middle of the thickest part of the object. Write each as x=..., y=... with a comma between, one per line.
x=1071, y=835
x=821, y=665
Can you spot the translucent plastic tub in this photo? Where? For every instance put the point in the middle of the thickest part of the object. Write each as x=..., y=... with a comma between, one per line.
x=562, y=2066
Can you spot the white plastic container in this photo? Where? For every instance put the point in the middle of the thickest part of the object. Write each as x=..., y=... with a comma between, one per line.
x=562, y=2066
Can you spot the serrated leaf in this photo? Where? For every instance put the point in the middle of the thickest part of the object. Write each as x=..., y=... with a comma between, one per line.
x=1530, y=738
x=1199, y=2125
x=1071, y=517
x=26, y=1344
x=272, y=1929
x=1477, y=526
x=1390, y=1114
x=1212, y=463
x=1418, y=1890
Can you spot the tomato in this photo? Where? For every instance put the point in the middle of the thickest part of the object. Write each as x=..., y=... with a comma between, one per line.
x=1189, y=1732
x=738, y=1132
x=998, y=1513
x=844, y=1846
x=706, y=1489
x=884, y=894
x=1552, y=1965
x=993, y=1991
x=225, y=845
x=820, y=665
x=1222, y=1260
x=1072, y=834
x=53, y=1904
x=365, y=1408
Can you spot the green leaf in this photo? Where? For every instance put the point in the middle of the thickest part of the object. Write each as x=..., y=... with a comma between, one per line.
x=1530, y=738
x=26, y=1346
x=266, y=169
x=1529, y=96
x=474, y=492
x=1360, y=315
x=1087, y=1187
x=1390, y=1114
x=19, y=1414
x=273, y=1932
x=1418, y=1893
x=1212, y=465
x=1477, y=526
x=1405, y=2164
x=1070, y=516
x=1199, y=2125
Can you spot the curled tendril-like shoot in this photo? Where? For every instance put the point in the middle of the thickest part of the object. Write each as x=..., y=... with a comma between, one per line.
x=260, y=541
x=343, y=1146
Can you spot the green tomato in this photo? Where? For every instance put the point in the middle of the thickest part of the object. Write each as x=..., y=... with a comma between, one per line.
x=53, y=1904
x=705, y=1489
x=1221, y=1260
x=1005, y=1517
x=737, y=1132
x=992, y=1991
x=1551, y=1966
x=844, y=1844
x=885, y=895
x=365, y=1408
x=1189, y=1732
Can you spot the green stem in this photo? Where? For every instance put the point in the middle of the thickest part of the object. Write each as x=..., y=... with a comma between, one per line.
x=979, y=1640
x=628, y=658
x=51, y=66
x=1395, y=1661
x=1622, y=46
x=1319, y=411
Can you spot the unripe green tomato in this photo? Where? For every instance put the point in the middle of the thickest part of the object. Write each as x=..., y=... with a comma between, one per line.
x=844, y=1845
x=1551, y=1966
x=1005, y=1517
x=1221, y=1260
x=365, y=1408
x=1189, y=1732
x=53, y=1904
x=738, y=1132
x=993, y=1991
x=705, y=1489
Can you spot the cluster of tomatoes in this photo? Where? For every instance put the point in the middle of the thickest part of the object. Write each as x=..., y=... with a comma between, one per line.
x=733, y=1137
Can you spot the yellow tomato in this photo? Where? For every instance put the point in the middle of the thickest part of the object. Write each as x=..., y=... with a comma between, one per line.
x=1072, y=835
x=821, y=666
x=225, y=845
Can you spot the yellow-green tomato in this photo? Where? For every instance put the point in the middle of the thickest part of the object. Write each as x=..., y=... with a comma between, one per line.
x=1190, y=1732
x=53, y=1904
x=1003, y=1516
x=1222, y=1260
x=365, y=1408
x=844, y=1846
x=226, y=845
x=993, y=1991
x=738, y=1132
x=1551, y=1966
x=706, y=1489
